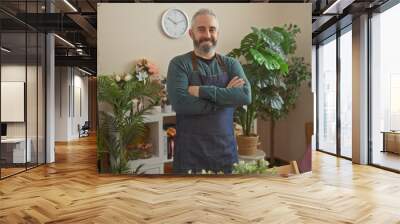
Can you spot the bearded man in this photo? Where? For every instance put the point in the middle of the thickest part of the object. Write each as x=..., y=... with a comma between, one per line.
x=204, y=88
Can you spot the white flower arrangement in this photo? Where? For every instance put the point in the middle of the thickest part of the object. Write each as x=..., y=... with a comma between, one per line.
x=117, y=77
x=124, y=77
x=127, y=77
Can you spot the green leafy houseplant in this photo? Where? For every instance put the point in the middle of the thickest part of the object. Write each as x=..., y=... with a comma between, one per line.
x=123, y=121
x=274, y=74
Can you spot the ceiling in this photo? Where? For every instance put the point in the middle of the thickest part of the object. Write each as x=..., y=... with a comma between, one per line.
x=76, y=21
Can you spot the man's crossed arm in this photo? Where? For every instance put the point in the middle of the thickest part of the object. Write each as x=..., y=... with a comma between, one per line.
x=187, y=99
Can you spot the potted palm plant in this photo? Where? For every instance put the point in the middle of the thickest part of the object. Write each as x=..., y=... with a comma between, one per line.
x=265, y=57
x=119, y=123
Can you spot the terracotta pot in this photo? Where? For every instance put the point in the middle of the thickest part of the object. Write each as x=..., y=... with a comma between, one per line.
x=247, y=144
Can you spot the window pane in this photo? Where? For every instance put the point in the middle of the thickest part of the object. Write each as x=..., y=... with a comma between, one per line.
x=385, y=86
x=41, y=98
x=14, y=153
x=346, y=94
x=31, y=97
x=327, y=97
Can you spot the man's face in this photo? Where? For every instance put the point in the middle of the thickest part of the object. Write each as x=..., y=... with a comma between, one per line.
x=204, y=33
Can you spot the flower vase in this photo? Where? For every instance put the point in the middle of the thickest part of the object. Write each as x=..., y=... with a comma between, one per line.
x=155, y=110
x=167, y=109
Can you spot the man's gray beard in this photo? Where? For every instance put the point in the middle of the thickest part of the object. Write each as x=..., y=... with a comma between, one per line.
x=205, y=48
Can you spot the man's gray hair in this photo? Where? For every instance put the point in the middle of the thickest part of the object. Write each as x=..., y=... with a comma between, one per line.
x=203, y=12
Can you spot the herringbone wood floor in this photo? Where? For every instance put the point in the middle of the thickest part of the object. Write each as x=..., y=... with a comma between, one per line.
x=71, y=191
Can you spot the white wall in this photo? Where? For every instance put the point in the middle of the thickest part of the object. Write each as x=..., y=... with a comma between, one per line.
x=127, y=32
x=12, y=73
x=79, y=117
x=69, y=82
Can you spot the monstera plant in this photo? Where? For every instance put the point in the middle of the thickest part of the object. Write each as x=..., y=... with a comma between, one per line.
x=122, y=120
x=275, y=76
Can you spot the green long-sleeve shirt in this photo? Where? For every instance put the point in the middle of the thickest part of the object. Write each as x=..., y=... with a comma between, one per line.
x=211, y=98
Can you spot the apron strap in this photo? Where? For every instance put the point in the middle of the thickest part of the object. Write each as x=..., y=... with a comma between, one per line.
x=219, y=60
x=221, y=63
x=194, y=62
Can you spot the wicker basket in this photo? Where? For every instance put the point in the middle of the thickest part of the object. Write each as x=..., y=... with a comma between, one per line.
x=247, y=144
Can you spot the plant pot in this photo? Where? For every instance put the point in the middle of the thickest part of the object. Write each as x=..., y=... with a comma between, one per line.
x=247, y=145
x=155, y=110
x=167, y=109
x=115, y=164
x=137, y=106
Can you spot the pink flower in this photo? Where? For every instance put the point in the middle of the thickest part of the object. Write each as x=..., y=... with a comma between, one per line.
x=155, y=79
x=152, y=68
x=145, y=66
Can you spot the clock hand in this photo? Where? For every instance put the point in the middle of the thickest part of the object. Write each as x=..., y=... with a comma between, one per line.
x=180, y=21
x=172, y=20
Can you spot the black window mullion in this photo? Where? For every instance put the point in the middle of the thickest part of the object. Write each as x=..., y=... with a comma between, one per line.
x=369, y=89
x=37, y=91
x=45, y=93
x=317, y=96
x=338, y=94
x=26, y=86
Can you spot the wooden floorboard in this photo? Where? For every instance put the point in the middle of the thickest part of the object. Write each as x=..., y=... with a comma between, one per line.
x=71, y=191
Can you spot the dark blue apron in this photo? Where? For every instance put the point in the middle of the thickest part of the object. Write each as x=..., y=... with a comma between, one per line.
x=206, y=141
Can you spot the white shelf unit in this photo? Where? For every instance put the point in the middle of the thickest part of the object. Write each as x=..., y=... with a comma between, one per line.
x=155, y=164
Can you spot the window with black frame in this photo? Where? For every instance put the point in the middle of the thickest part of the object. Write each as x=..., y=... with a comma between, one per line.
x=385, y=89
x=334, y=94
x=22, y=87
x=326, y=95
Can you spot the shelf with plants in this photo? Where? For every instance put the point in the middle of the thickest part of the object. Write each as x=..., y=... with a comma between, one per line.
x=156, y=137
x=124, y=101
x=145, y=152
x=169, y=133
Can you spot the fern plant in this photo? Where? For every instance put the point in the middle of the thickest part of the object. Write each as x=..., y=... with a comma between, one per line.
x=120, y=124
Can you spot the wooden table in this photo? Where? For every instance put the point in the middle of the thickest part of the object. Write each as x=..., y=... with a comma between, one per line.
x=391, y=141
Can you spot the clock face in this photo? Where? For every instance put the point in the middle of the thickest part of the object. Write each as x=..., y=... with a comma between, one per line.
x=174, y=23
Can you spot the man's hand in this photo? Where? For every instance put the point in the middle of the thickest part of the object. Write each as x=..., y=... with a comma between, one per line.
x=194, y=90
x=235, y=82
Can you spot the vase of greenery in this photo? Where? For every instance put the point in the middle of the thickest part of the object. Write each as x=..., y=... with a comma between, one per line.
x=119, y=123
x=275, y=76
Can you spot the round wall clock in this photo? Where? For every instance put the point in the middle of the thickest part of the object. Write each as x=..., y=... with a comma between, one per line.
x=175, y=23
